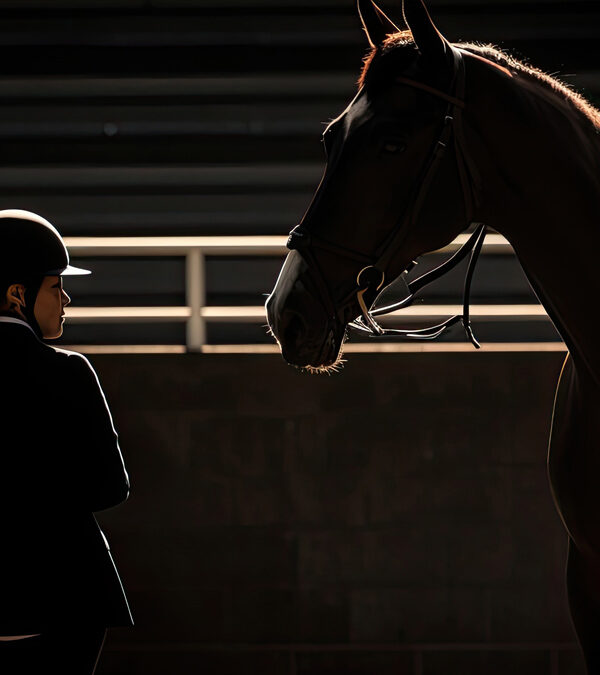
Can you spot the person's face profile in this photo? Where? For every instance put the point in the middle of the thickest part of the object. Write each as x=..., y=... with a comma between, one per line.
x=49, y=305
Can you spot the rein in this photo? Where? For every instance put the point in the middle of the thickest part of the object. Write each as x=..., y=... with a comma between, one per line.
x=371, y=277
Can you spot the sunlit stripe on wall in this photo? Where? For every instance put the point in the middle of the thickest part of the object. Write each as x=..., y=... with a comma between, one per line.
x=403, y=347
x=359, y=348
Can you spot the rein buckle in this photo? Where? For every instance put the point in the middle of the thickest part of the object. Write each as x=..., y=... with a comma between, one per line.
x=368, y=278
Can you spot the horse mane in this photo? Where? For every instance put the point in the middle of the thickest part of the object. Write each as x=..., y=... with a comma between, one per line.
x=495, y=55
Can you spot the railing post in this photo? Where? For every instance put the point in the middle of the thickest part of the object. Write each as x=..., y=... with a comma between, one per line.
x=195, y=294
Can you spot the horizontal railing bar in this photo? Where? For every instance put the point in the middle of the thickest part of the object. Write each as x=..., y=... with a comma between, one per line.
x=266, y=245
x=410, y=314
x=494, y=243
x=256, y=314
x=175, y=246
x=127, y=314
x=483, y=312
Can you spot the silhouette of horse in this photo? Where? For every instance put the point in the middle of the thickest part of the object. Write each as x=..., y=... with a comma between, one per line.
x=437, y=138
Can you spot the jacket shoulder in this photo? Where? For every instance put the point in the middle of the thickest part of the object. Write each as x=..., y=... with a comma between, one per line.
x=66, y=355
x=74, y=363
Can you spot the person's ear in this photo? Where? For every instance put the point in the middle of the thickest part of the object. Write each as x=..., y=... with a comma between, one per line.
x=15, y=298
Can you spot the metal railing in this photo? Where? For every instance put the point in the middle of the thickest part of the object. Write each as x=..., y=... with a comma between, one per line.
x=194, y=250
x=195, y=313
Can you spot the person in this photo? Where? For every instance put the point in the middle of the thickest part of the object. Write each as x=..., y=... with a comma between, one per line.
x=59, y=463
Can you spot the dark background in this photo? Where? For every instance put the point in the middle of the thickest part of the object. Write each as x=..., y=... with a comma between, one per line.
x=125, y=117
x=395, y=518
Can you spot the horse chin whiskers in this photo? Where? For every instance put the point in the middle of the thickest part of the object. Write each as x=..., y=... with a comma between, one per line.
x=270, y=332
x=324, y=370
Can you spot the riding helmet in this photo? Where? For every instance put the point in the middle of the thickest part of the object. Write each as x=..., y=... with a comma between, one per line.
x=31, y=247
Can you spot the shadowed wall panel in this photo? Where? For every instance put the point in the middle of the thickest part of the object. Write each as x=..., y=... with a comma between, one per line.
x=393, y=518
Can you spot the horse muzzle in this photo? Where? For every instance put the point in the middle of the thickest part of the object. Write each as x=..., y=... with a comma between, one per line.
x=307, y=335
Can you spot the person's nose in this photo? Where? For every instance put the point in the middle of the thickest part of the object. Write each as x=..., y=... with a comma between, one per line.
x=66, y=300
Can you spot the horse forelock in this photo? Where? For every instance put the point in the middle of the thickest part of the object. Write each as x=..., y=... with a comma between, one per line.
x=403, y=38
x=496, y=56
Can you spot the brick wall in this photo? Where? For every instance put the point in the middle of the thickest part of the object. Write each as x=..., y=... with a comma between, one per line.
x=395, y=518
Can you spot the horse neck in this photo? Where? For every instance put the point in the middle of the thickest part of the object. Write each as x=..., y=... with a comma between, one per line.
x=541, y=175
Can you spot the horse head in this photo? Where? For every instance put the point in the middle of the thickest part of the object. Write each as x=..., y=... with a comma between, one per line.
x=388, y=193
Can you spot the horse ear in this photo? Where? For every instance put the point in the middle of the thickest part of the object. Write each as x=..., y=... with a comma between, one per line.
x=430, y=42
x=375, y=22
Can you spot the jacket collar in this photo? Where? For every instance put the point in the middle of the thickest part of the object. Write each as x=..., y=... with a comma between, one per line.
x=12, y=320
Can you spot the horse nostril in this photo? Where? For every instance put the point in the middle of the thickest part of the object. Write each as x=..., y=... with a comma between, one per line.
x=294, y=330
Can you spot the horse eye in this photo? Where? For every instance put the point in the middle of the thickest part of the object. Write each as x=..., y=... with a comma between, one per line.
x=393, y=147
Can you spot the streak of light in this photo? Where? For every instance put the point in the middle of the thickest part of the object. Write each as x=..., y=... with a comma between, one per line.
x=358, y=348
x=244, y=314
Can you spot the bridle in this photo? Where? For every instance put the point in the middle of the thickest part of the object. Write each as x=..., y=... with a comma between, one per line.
x=371, y=278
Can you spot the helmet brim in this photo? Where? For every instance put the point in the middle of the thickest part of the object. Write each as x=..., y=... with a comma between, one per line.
x=68, y=271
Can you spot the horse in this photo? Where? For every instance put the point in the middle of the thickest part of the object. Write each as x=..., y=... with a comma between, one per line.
x=439, y=137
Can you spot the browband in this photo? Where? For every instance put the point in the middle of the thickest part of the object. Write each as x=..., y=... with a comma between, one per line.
x=431, y=90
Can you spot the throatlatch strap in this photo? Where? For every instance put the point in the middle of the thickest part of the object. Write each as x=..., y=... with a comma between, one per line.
x=429, y=277
x=472, y=246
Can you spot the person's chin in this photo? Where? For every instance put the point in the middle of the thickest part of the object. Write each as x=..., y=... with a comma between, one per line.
x=54, y=335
